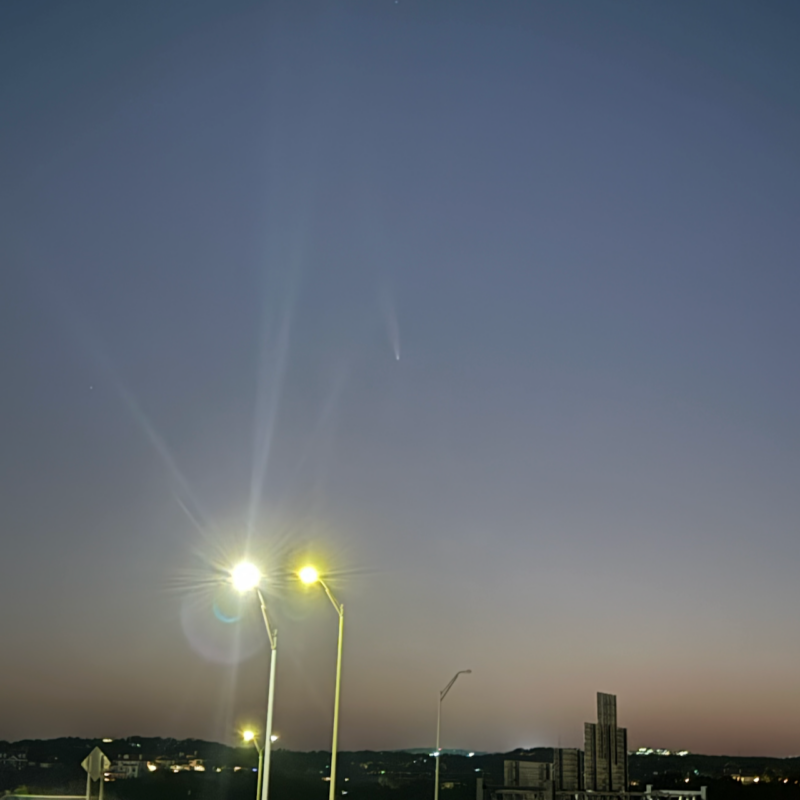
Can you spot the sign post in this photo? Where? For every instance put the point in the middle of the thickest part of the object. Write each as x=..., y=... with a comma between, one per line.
x=95, y=764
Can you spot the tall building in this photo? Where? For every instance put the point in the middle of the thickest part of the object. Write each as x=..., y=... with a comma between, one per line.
x=540, y=780
x=605, y=764
x=527, y=773
x=567, y=769
x=599, y=773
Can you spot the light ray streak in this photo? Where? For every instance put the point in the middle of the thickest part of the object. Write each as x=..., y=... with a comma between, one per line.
x=98, y=353
x=270, y=385
x=320, y=435
x=271, y=373
x=159, y=445
x=289, y=209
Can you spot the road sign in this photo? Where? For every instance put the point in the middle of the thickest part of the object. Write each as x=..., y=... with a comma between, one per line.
x=96, y=764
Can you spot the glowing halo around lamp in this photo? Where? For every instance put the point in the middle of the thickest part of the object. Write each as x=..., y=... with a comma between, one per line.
x=248, y=736
x=308, y=575
x=245, y=577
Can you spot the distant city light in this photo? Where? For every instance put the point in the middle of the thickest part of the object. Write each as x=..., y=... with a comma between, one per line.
x=469, y=755
x=650, y=751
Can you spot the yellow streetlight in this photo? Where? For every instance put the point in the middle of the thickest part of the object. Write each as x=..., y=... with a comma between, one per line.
x=310, y=575
x=250, y=736
x=246, y=577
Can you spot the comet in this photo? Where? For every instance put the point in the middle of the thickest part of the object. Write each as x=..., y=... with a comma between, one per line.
x=392, y=326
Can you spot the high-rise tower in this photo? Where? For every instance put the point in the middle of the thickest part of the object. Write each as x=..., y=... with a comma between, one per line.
x=605, y=766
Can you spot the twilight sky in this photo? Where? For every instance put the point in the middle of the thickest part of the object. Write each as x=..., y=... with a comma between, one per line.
x=575, y=223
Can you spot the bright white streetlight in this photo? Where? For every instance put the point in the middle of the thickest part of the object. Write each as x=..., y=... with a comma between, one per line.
x=438, y=753
x=310, y=575
x=246, y=577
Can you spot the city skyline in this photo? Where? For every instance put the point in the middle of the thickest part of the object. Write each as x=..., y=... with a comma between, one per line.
x=488, y=308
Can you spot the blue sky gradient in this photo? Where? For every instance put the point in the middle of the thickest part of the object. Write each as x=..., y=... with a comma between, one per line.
x=577, y=226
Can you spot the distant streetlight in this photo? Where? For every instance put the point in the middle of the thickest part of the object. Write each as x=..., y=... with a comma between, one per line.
x=442, y=696
x=250, y=736
x=309, y=575
x=246, y=577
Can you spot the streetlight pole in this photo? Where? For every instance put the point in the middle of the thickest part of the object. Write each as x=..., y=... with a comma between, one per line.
x=335, y=743
x=266, y=751
x=246, y=577
x=250, y=736
x=260, y=771
x=442, y=696
x=310, y=575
